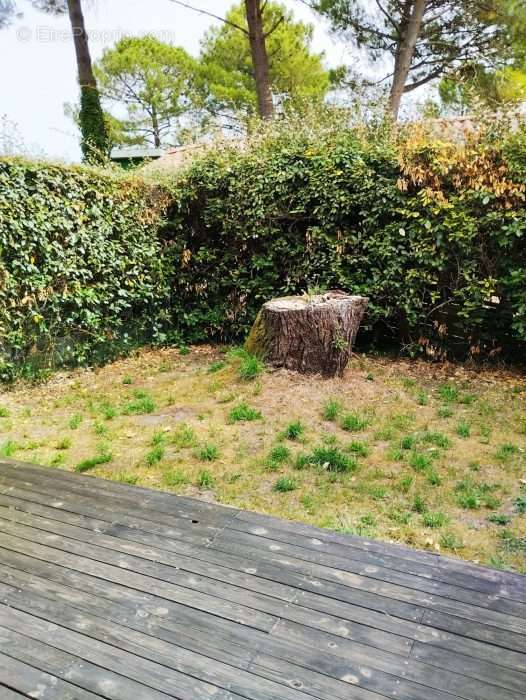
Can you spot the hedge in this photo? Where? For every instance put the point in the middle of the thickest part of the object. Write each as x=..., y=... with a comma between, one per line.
x=81, y=274
x=433, y=233
x=93, y=264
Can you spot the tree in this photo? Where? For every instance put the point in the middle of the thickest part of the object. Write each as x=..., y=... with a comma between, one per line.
x=425, y=39
x=95, y=141
x=227, y=74
x=258, y=48
x=152, y=81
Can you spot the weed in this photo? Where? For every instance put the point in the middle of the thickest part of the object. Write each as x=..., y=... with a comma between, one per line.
x=294, y=430
x=142, y=403
x=463, y=429
x=419, y=504
x=184, y=350
x=422, y=398
x=158, y=438
x=353, y=423
x=376, y=492
x=332, y=409
x=448, y=392
x=302, y=461
x=250, y=368
x=75, y=421
x=108, y=411
x=520, y=505
x=208, y=453
x=506, y=451
x=499, y=519
x=405, y=483
x=174, y=477
x=9, y=448
x=358, y=448
x=127, y=379
x=407, y=442
x=243, y=412
x=63, y=444
x=184, y=436
x=216, y=366
x=279, y=455
x=205, y=480
x=127, y=478
x=100, y=429
x=511, y=542
x=467, y=399
x=436, y=519
x=437, y=439
x=445, y=412
x=57, y=460
x=155, y=455
x=396, y=454
x=402, y=517
x=450, y=541
x=308, y=503
x=103, y=457
x=284, y=484
x=433, y=477
x=4, y=412
x=332, y=459
x=420, y=462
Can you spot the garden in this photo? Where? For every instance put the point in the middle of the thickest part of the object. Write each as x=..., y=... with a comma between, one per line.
x=126, y=300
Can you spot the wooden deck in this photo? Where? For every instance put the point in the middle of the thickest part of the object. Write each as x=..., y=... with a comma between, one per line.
x=119, y=592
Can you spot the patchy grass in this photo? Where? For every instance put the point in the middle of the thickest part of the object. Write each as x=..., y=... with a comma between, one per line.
x=387, y=458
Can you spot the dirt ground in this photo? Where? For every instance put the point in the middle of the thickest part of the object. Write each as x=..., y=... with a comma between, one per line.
x=430, y=455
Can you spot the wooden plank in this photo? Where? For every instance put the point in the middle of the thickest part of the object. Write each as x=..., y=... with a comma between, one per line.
x=327, y=651
x=490, y=672
x=77, y=677
x=302, y=651
x=34, y=683
x=8, y=694
x=436, y=570
x=226, y=540
x=276, y=555
x=126, y=577
x=135, y=533
x=158, y=504
x=359, y=614
x=142, y=657
x=213, y=595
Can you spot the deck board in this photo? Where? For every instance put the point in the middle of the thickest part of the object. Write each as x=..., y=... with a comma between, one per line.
x=115, y=591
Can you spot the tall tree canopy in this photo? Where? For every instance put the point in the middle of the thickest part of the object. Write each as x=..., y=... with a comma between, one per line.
x=227, y=70
x=425, y=39
x=151, y=83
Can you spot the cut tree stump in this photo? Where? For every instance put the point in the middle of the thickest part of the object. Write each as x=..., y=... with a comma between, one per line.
x=309, y=334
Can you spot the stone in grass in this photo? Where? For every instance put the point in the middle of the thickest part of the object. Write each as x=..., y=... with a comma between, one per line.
x=308, y=334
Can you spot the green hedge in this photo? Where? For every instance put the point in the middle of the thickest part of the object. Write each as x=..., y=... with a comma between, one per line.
x=93, y=264
x=445, y=274
x=81, y=273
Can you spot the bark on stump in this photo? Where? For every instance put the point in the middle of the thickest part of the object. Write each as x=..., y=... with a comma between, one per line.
x=308, y=334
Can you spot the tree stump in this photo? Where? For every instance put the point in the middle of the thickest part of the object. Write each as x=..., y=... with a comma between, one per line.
x=309, y=334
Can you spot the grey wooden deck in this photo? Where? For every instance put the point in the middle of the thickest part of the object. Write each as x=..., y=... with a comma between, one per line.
x=118, y=592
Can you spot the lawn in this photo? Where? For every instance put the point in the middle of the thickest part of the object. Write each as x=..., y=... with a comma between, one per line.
x=430, y=455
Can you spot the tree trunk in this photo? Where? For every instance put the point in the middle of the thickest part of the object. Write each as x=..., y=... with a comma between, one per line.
x=313, y=335
x=405, y=50
x=91, y=118
x=260, y=62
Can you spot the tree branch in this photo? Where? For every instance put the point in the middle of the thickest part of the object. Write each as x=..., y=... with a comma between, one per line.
x=210, y=14
x=273, y=29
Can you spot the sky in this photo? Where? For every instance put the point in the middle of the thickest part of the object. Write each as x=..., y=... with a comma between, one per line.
x=38, y=70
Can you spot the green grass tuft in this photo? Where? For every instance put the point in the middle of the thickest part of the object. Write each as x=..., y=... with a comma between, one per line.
x=243, y=412
x=284, y=484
